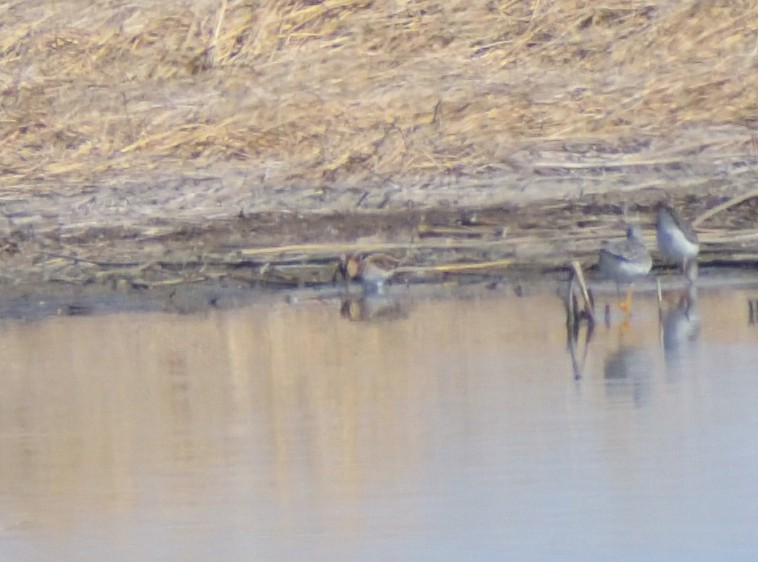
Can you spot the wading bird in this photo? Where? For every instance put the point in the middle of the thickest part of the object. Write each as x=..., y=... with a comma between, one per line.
x=625, y=261
x=371, y=270
x=677, y=240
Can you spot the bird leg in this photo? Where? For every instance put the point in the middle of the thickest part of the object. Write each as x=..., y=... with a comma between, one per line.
x=626, y=304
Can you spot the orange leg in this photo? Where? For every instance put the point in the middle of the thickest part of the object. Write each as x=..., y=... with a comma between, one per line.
x=626, y=304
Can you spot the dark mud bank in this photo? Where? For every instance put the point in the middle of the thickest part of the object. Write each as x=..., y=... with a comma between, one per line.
x=186, y=265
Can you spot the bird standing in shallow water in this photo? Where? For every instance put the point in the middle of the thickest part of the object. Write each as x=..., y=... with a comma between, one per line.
x=372, y=270
x=677, y=240
x=625, y=261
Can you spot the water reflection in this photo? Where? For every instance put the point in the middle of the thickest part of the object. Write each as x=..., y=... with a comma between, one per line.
x=752, y=310
x=372, y=307
x=680, y=327
x=578, y=338
x=281, y=432
x=629, y=368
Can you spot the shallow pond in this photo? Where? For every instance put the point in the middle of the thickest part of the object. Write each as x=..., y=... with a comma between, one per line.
x=382, y=429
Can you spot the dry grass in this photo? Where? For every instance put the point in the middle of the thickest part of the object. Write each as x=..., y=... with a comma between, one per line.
x=347, y=92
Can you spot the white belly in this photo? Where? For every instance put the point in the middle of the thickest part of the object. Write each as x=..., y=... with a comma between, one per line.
x=675, y=246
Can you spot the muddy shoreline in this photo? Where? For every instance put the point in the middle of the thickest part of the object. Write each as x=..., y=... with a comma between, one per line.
x=147, y=263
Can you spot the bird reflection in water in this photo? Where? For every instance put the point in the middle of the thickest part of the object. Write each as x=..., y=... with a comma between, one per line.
x=629, y=367
x=680, y=328
x=372, y=308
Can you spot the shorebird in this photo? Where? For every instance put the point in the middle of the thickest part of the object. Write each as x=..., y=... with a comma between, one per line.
x=372, y=270
x=677, y=240
x=625, y=261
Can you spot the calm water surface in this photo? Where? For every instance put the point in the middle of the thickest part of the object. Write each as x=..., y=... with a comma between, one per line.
x=448, y=429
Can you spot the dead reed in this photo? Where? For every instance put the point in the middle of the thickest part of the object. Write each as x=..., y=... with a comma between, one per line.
x=349, y=92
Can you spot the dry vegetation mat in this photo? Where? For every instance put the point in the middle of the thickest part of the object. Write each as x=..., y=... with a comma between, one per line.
x=178, y=135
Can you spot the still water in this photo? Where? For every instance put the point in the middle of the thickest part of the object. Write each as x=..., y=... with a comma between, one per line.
x=432, y=429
